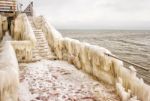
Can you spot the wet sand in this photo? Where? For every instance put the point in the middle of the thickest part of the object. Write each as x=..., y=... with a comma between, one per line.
x=133, y=46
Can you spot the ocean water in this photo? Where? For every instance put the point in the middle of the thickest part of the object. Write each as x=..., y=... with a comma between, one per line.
x=131, y=45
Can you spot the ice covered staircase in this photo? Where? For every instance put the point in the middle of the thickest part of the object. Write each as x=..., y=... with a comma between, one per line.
x=42, y=49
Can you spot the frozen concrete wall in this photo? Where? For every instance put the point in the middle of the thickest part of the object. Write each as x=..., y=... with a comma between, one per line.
x=92, y=60
x=3, y=26
x=1, y=30
x=23, y=32
x=23, y=29
x=9, y=75
x=23, y=50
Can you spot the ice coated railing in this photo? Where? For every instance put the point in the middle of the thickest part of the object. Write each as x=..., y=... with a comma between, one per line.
x=92, y=60
x=9, y=74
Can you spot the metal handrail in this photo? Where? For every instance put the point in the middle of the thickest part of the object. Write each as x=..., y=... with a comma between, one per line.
x=136, y=65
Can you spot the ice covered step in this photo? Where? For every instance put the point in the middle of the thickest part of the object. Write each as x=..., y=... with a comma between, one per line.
x=43, y=49
x=42, y=44
x=40, y=36
x=36, y=57
x=37, y=30
x=41, y=41
x=39, y=33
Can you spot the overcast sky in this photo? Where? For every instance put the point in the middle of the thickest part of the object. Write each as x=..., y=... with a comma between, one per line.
x=95, y=14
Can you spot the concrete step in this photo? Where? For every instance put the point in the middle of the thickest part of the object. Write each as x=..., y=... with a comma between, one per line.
x=41, y=39
x=39, y=36
x=42, y=49
x=42, y=44
x=46, y=46
x=40, y=33
x=37, y=30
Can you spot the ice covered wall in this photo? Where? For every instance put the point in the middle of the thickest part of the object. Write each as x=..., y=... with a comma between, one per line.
x=1, y=30
x=24, y=33
x=92, y=60
x=23, y=29
x=23, y=50
x=3, y=26
x=9, y=75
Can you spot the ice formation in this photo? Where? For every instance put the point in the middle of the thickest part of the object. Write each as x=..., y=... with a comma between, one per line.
x=23, y=32
x=18, y=28
x=3, y=26
x=89, y=58
x=23, y=29
x=9, y=76
x=1, y=31
x=92, y=60
x=23, y=50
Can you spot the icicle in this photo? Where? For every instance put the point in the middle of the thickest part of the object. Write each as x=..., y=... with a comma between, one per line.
x=92, y=60
x=1, y=30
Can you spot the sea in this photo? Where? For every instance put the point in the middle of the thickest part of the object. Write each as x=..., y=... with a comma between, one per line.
x=130, y=45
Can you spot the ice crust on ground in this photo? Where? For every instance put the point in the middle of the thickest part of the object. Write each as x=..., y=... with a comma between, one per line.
x=59, y=81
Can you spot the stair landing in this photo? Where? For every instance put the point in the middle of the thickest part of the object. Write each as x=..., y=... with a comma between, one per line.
x=48, y=80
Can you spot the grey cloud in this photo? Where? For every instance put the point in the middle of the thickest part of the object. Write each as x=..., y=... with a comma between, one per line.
x=95, y=13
